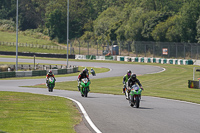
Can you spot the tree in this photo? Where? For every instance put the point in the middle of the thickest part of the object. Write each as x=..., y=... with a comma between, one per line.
x=57, y=25
x=198, y=30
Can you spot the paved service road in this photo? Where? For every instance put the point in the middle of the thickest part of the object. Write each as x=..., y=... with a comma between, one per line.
x=112, y=113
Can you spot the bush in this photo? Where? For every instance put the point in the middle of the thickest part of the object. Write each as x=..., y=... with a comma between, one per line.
x=7, y=25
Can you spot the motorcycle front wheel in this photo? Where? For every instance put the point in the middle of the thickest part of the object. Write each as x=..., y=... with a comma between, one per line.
x=131, y=101
x=85, y=92
x=137, y=100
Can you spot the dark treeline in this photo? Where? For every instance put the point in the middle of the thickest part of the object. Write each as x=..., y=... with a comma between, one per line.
x=132, y=20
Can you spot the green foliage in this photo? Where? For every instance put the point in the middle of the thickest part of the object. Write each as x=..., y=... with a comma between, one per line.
x=139, y=20
x=198, y=30
x=7, y=25
x=151, y=24
x=57, y=25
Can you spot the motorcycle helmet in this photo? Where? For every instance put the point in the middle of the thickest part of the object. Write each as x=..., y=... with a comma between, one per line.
x=84, y=71
x=129, y=73
x=133, y=76
x=50, y=72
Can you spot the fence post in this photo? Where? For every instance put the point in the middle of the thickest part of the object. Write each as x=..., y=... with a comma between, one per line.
x=153, y=50
x=128, y=48
x=112, y=47
x=79, y=46
x=145, y=47
x=88, y=47
x=191, y=51
x=176, y=51
x=120, y=47
x=184, y=50
x=97, y=47
x=136, y=49
x=34, y=62
x=197, y=52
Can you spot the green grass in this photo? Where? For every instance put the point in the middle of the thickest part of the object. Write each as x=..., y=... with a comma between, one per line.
x=172, y=84
x=31, y=113
x=11, y=37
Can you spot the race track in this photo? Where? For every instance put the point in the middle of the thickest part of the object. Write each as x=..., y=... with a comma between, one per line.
x=112, y=113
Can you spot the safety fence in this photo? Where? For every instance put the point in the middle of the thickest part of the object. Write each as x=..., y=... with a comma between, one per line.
x=124, y=48
x=37, y=72
x=33, y=45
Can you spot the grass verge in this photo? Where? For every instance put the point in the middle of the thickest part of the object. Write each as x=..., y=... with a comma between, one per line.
x=30, y=113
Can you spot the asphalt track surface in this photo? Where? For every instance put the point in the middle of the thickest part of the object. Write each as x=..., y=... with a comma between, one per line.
x=112, y=113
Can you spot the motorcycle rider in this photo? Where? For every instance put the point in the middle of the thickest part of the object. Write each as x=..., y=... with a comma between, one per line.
x=93, y=72
x=49, y=74
x=125, y=79
x=87, y=71
x=131, y=81
x=82, y=75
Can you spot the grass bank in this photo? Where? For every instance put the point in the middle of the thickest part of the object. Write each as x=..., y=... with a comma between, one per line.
x=24, y=112
x=11, y=37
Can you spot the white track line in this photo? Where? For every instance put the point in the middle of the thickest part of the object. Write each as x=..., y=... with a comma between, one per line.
x=84, y=114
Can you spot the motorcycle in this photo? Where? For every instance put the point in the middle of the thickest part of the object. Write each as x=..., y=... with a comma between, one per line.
x=135, y=96
x=84, y=87
x=51, y=84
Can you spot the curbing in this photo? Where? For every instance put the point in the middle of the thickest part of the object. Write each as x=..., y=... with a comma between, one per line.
x=139, y=59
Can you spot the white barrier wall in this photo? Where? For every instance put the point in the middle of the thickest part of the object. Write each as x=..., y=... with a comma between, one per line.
x=126, y=58
x=144, y=59
x=55, y=71
x=23, y=73
x=80, y=57
x=100, y=57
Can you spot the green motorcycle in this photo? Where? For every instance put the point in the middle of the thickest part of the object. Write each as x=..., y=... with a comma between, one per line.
x=135, y=96
x=51, y=83
x=84, y=87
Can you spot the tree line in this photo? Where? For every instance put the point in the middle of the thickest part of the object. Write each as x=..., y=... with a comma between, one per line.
x=130, y=20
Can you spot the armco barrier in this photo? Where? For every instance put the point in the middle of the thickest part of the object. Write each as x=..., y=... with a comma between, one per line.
x=7, y=74
x=39, y=73
x=62, y=71
x=36, y=73
x=69, y=70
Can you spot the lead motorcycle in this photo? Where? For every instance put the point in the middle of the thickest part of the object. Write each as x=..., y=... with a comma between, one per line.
x=51, y=84
x=84, y=87
x=135, y=96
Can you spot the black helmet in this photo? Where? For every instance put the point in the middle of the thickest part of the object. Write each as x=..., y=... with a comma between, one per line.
x=129, y=72
x=84, y=71
x=133, y=76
